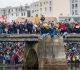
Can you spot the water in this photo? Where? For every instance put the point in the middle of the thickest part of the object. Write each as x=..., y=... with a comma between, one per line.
x=11, y=67
x=73, y=66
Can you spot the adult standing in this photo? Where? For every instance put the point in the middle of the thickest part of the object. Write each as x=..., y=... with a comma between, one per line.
x=36, y=22
x=36, y=19
x=21, y=28
x=25, y=26
x=6, y=27
x=12, y=59
x=30, y=27
x=14, y=27
x=42, y=19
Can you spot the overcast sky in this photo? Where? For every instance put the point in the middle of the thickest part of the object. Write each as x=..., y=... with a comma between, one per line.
x=5, y=3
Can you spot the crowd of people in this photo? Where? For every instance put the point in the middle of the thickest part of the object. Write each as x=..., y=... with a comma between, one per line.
x=72, y=52
x=39, y=26
x=11, y=52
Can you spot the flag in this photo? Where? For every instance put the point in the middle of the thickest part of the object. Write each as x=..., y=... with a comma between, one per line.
x=3, y=17
x=78, y=25
x=63, y=26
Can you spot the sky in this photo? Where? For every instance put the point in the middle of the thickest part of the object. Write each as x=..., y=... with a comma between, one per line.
x=5, y=3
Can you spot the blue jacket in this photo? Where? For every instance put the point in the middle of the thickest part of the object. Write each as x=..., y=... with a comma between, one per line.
x=53, y=31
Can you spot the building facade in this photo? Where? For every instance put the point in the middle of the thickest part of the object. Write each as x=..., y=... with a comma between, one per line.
x=61, y=8
x=42, y=7
x=75, y=7
x=12, y=13
x=34, y=8
x=51, y=8
x=48, y=8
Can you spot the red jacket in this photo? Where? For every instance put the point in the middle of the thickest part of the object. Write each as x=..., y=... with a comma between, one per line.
x=62, y=26
x=12, y=59
x=6, y=25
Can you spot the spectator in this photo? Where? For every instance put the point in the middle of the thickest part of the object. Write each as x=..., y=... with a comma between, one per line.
x=21, y=28
x=12, y=59
x=14, y=27
x=3, y=59
x=30, y=27
x=36, y=19
x=42, y=19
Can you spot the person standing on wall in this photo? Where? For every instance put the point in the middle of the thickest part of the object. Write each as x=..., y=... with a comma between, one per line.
x=36, y=19
x=42, y=19
x=36, y=22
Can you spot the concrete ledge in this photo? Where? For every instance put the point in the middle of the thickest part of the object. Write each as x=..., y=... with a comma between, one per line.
x=20, y=37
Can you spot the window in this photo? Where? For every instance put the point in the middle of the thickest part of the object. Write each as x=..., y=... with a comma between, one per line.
x=41, y=4
x=12, y=10
x=76, y=12
x=27, y=7
x=45, y=9
x=76, y=0
x=32, y=11
x=16, y=14
x=28, y=14
x=72, y=1
x=9, y=11
x=44, y=2
x=50, y=2
x=4, y=12
x=21, y=14
x=37, y=5
x=72, y=6
x=50, y=9
x=21, y=9
x=40, y=9
x=72, y=12
x=76, y=5
x=16, y=10
x=12, y=14
x=24, y=13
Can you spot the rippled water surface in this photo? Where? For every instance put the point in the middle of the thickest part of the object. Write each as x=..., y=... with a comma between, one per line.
x=11, y=67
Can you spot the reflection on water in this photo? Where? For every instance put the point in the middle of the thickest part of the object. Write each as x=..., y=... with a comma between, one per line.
x=11, y=67
x=73, y=66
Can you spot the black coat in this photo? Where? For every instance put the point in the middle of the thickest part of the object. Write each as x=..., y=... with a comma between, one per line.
x=42, y=19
